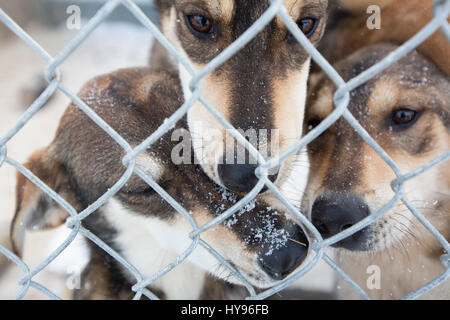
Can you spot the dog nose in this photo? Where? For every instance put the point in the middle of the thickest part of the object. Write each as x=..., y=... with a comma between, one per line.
x=279, y=263
x=333, y=214
x=240, y=177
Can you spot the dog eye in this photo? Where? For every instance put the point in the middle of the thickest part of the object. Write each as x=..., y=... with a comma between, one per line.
x=200, y=24
x=308, y=26
x=404, y=117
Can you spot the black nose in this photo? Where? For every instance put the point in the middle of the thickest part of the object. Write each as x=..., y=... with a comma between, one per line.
x=279, y=263
x=334, y=213
x=240, y=177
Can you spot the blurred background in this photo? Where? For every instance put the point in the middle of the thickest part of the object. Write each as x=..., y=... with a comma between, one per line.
x=117, y=43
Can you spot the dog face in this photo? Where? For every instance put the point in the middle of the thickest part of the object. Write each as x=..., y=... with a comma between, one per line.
x=260, y=91
x=83, y=162
x=406, y=110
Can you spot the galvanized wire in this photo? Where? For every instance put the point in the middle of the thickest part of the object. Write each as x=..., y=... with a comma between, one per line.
x=441, y=11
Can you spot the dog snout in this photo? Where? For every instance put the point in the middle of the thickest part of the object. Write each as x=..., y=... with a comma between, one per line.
x=333, y=214
x=279, y=263
x=240, y=177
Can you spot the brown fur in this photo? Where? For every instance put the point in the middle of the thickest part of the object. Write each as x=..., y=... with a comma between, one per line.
x=400, y=21
x=30, y=198
x=361, y=5
x=342, y=163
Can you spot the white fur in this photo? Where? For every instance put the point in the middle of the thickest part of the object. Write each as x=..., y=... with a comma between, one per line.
x=150, y=244
x=295, y=185
x=150, y=166
x=207, y=138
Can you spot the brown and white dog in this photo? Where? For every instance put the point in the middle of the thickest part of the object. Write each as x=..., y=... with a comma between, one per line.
x=406, y=109
x=261, y=90
x=83, y=162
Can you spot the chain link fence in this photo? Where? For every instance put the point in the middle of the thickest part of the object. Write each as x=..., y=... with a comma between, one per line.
x=341, y=100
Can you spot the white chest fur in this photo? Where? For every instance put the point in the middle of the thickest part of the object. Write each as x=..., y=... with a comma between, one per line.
x=140, y=244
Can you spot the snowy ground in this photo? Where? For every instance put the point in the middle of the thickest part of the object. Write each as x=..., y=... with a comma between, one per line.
x=110, y=47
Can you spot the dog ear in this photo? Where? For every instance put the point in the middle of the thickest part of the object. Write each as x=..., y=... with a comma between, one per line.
x=35, y=210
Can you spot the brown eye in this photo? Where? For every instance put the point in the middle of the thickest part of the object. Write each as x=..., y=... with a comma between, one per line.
x=404, y=116
x=308, y=26
x=199, y=24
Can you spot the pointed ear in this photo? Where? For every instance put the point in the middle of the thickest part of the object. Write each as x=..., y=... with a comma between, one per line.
x=35, y=210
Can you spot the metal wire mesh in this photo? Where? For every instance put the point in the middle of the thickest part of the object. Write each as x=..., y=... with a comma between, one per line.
x=341, y=100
